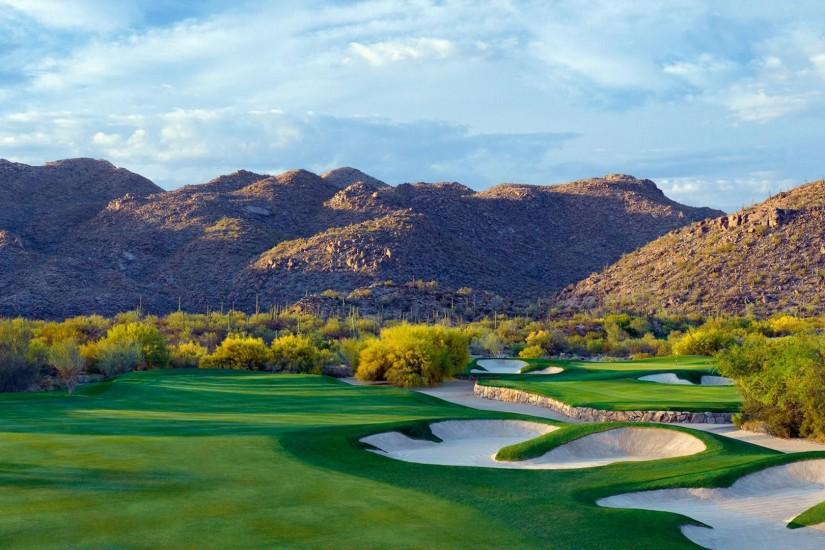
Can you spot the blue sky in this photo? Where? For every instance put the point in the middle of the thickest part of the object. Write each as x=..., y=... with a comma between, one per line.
x=721, y=103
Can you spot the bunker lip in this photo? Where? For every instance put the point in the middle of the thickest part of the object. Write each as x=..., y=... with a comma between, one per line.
x=476, y=442
x=508, y=366
x=671, y=378
x=752, y=513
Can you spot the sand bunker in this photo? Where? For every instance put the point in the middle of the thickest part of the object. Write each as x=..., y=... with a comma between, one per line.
x=509, y=366
x=671, y=378
x=500, y=366
x=548, y=370
x=476, y=442
x=621, y=445
x=752, y=513
x=464, y=442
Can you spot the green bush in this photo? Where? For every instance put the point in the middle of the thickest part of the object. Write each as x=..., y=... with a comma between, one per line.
x=293, y=353
x=782, y=381
x=414, y=355
x=187, y=355
x=238, y=352
x=115, y=356
x=16, y=372
x=704, y=341
x=66, y=359
x=531, y=352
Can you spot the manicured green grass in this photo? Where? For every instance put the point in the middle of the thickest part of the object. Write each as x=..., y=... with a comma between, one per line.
x=212, y=459
x=812, y=516
x=615, y=385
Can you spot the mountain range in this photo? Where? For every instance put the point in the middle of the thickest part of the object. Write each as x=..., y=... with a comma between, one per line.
x=765, y=259
x=81, y=235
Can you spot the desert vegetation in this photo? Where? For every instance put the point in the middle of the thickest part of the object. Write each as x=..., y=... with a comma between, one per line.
x=776, y=363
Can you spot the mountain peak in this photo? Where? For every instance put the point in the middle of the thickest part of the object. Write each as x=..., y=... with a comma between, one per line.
x=345, y=176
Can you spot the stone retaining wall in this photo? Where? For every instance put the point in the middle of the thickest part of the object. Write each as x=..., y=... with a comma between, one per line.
x=598, y=415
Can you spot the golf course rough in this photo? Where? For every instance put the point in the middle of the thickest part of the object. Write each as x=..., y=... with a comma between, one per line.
x=477, y=442
x=754, y=512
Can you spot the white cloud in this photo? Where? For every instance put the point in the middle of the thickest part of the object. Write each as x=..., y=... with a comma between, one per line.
x=431, y=89
x=701, y=71
x=105, y=140
x=756, y=105
x=95, y=15
x=416, y=49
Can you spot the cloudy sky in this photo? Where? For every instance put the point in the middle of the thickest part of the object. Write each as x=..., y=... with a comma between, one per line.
x=720, y=102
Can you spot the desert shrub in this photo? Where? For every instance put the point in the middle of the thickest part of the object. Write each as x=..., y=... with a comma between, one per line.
x=703, y=341
x=414, y=355
x=351, y=348
x=334, y=328
x=65, y=358
x=333, y=294
x=491, y=344
x=782, y=381
x=147, y=337
x=785, y=325
x=16, y=372
x=531, y=352
x=238, y=351
x=293, y=353
x=550, y=342
x=115, y=356
x=187, y=355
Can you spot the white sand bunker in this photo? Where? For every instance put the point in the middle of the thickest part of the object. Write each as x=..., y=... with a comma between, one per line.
x=509, y=366
x=620, y=445
x=671, y=378
x=464, y=442
x=476, y=442
x=753, y=513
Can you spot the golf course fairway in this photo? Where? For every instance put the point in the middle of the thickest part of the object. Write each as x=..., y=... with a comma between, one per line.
x=217, y=459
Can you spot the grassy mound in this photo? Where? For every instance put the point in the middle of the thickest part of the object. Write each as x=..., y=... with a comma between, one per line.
x=812, y=516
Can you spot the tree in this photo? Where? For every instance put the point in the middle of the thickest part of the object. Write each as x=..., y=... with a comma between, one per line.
x=117, y=356
x=147, y=337
x=238, y=352
x=66, y=359
x=187, y=355
x=782, y=381
x=414, y=355
x=531, y=352
x=293, y=353
x=704, y=341
x=16, y=372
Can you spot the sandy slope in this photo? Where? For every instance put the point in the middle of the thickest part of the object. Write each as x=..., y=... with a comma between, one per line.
x=751, y=514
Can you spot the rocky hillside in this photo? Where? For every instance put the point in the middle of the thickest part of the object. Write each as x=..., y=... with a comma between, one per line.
x=765, y=259
x=81, y=235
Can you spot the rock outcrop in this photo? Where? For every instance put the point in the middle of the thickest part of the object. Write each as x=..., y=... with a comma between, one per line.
x=587, y=414
x=766, y=259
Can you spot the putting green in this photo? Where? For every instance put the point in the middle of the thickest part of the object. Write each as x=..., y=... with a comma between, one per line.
x=213, y=459
x=616, y=386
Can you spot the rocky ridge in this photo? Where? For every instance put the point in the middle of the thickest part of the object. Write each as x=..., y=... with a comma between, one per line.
x=110, y=240
x=765, y=259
